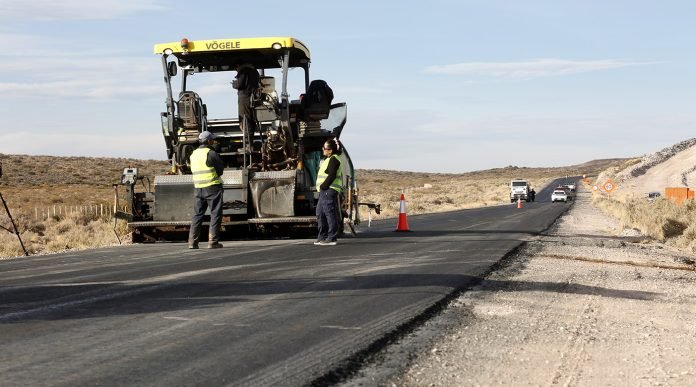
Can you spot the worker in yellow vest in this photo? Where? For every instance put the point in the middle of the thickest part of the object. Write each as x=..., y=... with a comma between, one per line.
x=329, y=185
x=206, y=167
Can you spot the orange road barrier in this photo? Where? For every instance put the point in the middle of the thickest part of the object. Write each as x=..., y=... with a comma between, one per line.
x=679, y=194
x=402, y=224
x=519, y=202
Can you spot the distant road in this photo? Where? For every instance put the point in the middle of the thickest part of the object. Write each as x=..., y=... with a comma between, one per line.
x=280, y=312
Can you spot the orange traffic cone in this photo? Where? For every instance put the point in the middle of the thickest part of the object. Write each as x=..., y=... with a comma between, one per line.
x=519, y=202
x=402, y=224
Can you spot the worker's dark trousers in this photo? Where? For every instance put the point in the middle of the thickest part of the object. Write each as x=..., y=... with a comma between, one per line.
x=245, y=109
x=327, y=215
x=208, y=197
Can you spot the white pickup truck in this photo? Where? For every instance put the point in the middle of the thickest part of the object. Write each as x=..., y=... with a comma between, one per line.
x=519, y=189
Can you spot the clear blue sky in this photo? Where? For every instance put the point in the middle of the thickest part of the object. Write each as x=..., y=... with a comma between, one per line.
x=439, y=86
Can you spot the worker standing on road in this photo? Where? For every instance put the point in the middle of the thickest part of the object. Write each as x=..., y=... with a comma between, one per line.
x=206, y=167
x=329, y=185
x=532, y=194
x=246, y=82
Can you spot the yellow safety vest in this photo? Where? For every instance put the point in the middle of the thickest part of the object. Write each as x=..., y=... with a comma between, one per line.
x=337, y=184
x=203, y=175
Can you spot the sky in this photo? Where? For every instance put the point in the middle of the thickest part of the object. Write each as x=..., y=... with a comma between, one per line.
x=431, y=86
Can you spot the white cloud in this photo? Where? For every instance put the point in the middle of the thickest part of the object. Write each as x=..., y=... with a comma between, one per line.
x=531, y=69
x=147, y=145
x=81, y=77
x=14, y=42
x=15, y=10
x=73, y=64
x=82, y=89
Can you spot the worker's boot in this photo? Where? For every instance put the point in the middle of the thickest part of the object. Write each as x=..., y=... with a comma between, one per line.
x=193, y=237
x=213, y=242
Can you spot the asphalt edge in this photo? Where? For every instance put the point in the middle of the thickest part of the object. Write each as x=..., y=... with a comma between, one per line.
x=361, y=369
x=348, y=371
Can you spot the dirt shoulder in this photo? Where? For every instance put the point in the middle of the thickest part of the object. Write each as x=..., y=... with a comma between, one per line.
x=585, y=305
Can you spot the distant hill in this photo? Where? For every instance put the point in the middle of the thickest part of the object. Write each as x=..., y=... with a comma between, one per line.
x=595, y=167
x=52, y=170
x=104, y=171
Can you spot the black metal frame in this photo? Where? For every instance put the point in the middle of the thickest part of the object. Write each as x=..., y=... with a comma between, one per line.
x=14, y=225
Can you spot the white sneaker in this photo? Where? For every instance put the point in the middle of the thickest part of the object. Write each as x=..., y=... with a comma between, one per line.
x=328, y=243
x=317, y=243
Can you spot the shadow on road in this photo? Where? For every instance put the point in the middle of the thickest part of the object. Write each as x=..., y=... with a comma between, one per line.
x=88, y=301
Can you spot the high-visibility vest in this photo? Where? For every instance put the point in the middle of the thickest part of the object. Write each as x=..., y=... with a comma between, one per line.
x=203, y=175
x=337, y=184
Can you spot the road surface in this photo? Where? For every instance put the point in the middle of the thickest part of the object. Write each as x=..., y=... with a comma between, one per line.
x=274, y=312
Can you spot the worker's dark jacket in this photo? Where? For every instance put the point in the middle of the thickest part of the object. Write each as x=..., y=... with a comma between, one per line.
x=247, y=80
x=215, y=161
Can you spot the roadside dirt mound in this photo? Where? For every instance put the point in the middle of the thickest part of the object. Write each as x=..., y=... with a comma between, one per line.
x=674, y=166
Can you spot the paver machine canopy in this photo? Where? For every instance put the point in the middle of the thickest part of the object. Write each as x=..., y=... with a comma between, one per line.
x=186, y=114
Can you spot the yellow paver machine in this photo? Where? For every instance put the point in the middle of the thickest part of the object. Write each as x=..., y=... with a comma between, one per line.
x=270, y=171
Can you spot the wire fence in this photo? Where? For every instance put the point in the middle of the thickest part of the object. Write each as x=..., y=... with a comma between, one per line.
x=100, y=210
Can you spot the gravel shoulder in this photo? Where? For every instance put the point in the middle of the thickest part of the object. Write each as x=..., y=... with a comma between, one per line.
x=586, y=304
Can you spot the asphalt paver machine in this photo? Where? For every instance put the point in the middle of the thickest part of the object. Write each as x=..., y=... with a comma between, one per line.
x=270, y=173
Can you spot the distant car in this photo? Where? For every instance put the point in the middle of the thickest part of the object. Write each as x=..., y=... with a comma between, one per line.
x=653, y=195
x=559, y=195
x=569, y=192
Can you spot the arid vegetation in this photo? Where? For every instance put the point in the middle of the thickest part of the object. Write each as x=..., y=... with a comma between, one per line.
x=59, y=233
x=438, y=192
x=32, y=182
x=661, y=219
x=25, y=170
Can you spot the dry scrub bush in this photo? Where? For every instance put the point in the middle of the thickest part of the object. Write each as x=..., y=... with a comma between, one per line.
x=661, y=219
x=60, y=233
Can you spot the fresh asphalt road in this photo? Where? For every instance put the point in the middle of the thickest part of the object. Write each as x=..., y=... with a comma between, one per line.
x=278, y=312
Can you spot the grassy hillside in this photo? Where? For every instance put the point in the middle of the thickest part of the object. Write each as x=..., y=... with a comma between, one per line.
x=29, y=182
x=53, y=170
